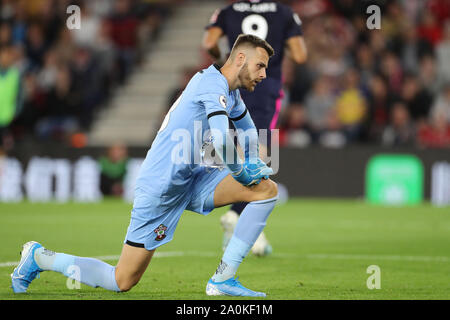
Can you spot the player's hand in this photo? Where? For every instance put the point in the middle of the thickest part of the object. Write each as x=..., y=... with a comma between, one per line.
x=258, y=169
x=245, y=179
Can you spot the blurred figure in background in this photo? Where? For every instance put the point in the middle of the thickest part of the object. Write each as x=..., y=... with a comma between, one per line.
x=11, y=96
x=443, y=55
x=113, y=167
x=412, y=48
x=401, y=130
x=436, y=133
x=407, y=59
x=124, y=31
x=379, y=104
x=319, y=103
x=429, y=28
x=351, y=106
x=417, y=99
x=428, y=76
x=333, y=136
x=60, y=120
x=441, y=105
x=294, y=130
x=97, y=58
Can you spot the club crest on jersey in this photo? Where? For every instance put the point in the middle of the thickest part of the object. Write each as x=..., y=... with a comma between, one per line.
x=223, y=101
x=160, y=232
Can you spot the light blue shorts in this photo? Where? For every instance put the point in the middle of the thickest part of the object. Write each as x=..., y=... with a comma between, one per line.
x=154, y=219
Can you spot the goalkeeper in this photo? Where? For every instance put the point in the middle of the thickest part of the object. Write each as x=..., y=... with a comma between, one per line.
x=168, y=185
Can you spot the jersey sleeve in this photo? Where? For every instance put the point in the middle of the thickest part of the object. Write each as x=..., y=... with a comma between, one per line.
x=237, y=112
x=247, y=133
x=218, y=20
x=224, y=143
x=212, y=93
x=293, y=24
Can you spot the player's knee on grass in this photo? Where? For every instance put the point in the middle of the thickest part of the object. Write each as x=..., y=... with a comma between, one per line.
x=126, y=282
x=126, y=285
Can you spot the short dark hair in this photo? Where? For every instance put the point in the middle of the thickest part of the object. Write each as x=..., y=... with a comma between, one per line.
x=253, y=41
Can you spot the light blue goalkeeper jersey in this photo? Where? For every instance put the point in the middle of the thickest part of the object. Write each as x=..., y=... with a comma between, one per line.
x=175, y=154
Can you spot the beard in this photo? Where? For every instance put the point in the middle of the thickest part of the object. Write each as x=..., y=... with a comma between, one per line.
x=245, y=79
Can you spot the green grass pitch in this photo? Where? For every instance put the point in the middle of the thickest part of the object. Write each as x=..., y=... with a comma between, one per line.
x=322, y=249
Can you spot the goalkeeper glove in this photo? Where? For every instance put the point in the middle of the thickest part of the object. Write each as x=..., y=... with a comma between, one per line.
x=258, y=170
x=244, y=178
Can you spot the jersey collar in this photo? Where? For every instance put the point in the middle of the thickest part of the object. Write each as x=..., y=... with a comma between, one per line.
x=217, y=66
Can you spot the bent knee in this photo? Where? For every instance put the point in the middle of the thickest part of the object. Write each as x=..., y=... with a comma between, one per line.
x=272, y=191
x=126, y=282
x=126, y=285
x=268, y=189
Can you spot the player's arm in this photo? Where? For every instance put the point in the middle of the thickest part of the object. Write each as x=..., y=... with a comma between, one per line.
x=247, y=136
x=294, y=41
x=224, y=147
x=296, y=49
x=248, y=139
x=210, y=41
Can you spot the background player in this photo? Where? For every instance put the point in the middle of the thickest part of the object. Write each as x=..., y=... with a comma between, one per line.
x=281, y=28
x=165, y=187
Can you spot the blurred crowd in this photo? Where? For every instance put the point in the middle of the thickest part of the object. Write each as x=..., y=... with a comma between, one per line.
x=387, y=86
x=54, y=79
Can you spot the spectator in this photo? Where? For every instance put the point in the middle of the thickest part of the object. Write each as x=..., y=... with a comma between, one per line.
x=351, y=106
x=379, y=101
x=113, y=168
x=406, y=60
x=401, y=131
x=124, y=30
x=393, y=20
x=88, y=35
x=392, y=71
x=440, y=9
x=19, y=59
x=365, y=62
x=301, y=83
x=60, y=121
x=443, y=55
x=436, y=133
x=412, y=49
x=333, y=136
x=46, y=76
x=36, y=45
x=5, y=34
x=417, y=99
x=43, y=45
x=318, y=105
x=377, y=42
x=19, y=24
x=86, y=84
x=11, y=95
x=441, y=106
x=429, y=28
x=294, y=128
x=428, y=76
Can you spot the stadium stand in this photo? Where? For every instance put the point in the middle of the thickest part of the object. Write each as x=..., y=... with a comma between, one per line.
x=362, y=86
x=68, y=76
x=359, y=86
x=135, y=111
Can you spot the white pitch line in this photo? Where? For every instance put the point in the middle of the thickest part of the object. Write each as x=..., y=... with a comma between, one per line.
x=377, y=257
x=170, y=254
